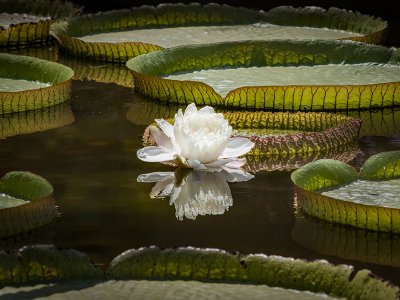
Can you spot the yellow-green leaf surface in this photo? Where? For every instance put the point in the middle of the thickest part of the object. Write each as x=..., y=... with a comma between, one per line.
x=333, y=191
x=20, y=30
x=36, y=120
x=192, y=273
x=275, y=271
x=281, y=75
x=35, y=206
x=117, y=36
x=48, y=52
x=17, y=67
x=346, y=242
x=291, y=136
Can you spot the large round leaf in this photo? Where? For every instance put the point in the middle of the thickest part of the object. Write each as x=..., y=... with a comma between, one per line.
x=52, y=80
x=333, y=191
x=96, y=36
x=29, y=203
x=326, y=67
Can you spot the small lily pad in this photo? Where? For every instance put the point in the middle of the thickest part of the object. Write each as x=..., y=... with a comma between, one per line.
x=24, y=71
x=116, y=36
x=36, y=120
x=333, y=191
x=26, y=202
x=272, y=75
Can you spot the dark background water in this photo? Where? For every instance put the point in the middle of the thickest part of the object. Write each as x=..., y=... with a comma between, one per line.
x=93, y=167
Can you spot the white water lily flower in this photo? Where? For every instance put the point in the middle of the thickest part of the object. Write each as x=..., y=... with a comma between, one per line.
x=195, y=193
x=199, y=139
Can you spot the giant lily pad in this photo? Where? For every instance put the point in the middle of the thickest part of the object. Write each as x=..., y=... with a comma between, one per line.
x=189, y=272
x=26, y=202
x=274, y=271
x=276, y=75
x=333, y=191
x=31, y=83
x=26, y=23
x=36, y=120
x=346, y=242
x=117, y=36
x=46, y=263
x=290, y=135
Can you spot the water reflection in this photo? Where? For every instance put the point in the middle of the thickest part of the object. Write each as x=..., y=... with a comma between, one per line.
x=195, y=193
x=347, y=242
x=36, y=120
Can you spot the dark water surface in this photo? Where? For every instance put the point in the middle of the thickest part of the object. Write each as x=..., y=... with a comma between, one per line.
x=93, y=167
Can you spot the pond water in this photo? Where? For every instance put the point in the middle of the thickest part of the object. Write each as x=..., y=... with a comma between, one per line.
x=92, y=164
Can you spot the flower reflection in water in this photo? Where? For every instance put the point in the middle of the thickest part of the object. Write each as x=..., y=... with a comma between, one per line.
x=195, y=193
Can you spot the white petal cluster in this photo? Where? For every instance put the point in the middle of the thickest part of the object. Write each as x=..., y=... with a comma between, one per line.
x=199, y=139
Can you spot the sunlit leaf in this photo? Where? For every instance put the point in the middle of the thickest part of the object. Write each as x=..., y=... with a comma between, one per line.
x=32, y=202
x=56, y=76
x=149, y=73
x=346, y=242
x=217, y=265
x=333, y=191
x=44, y=263
x=178, y=17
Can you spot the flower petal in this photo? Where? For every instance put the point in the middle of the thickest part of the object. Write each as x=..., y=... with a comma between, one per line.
x=236, y=163
x=155, y=176
x=161, y=138
x=190, y=109
x=196, y=165
x=166, y=127
x=162, y=189
x=217, y=164
x=207, y=110
x=154, y=154
x=237, y=147
x=236, y=175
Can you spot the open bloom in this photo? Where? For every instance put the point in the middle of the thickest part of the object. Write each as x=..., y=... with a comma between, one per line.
x=195, y=193
x=199, y=139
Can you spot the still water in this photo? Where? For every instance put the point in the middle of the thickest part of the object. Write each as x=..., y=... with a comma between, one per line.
x=91, y=162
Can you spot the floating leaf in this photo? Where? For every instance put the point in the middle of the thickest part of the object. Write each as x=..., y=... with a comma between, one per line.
x=346, y=242
x=48, y=52
x=331, y=190
x=217, y=265
x=149, y=73
x=44, y=263
x=15, y=67
x=36, y=120
x=290, y=136
x=20, y=30
x=33, y=201
x=181, y=21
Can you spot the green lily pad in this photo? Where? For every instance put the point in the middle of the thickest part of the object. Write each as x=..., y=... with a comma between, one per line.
x=333, y=191
x=48, y=52
x=117, y=36
x=290, y=135
x=46, y=263
x=346, y=242
x=274, y=271
x=36, y=120
x=16, y=70
x=269, y=75
x=26, y=203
